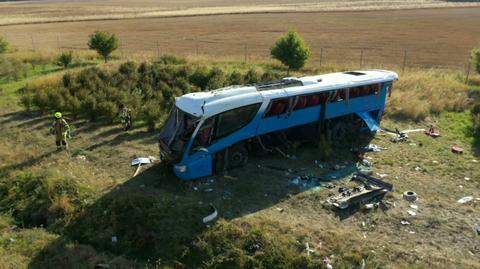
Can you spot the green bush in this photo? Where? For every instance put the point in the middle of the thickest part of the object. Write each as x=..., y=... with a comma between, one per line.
x=65, y=59
x=171, y=59
x=104, y=43
x=476, y=119
x=11, y=68
x=476, y=59
x=151, y=113
x=4, y=45
x=291, y=50
x=148, y=89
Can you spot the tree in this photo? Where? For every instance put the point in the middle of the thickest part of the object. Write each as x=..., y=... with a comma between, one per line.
x=65, y=59
x=476, y=59
x=4, y=45
x=291, y=50
x=104, y=43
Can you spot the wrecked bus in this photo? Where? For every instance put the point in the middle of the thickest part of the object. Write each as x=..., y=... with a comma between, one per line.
x=206, y=131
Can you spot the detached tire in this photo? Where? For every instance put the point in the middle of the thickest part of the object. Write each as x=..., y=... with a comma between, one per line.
x=237, y=156
x=410, y=196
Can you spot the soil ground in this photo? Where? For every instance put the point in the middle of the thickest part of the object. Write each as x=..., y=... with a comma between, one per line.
x=421, y=38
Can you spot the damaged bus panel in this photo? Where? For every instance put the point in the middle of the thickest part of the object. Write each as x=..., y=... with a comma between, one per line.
x=210, y=131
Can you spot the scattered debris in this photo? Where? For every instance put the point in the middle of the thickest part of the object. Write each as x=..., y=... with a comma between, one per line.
x=367, y=163
x=279, y=209
x=139, y=161
x=81, y=157
x=373, y=189
x=466, y=178
x=457, y=150
x=404, y=222
x=401, y=136
x=410, y=196
x=372, y=148
x=371, y=206
x=465, y=199
x=230, y=177
x=432, y=133
x=212, y=216
x=369, y=180
x=102, y=266
x=381, y=175
x=114, y=239
x=308, y=249
x=208, y=190
x=12, y=240
x=411, y=213
x=477, y=229
x=328, y=262
x=414, y=207
x=291, y=157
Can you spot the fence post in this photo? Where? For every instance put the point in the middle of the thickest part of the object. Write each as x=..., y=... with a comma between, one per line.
x=361, y=58
x=468, y=71
x=33, y=43
x=158, y=50
x=245, y=50
x=196, y=46
x=404, y=60
x=321, y=56
x=58, y=42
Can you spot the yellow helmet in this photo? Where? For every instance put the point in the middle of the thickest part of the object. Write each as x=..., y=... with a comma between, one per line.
x=58, y=115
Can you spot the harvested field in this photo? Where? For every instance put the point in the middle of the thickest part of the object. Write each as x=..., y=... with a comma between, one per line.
x=416, y=38
x=21, y=12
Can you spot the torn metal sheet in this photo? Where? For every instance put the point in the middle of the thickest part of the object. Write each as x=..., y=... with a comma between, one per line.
x=366, y=179
x=371, y=122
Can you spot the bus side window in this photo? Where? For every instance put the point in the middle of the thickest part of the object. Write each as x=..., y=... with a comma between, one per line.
x=313, y=100
x=366, y=90
x=355, y=92
x=277, y=107
x=233, y=120
x=204, y=135
x=301, y=102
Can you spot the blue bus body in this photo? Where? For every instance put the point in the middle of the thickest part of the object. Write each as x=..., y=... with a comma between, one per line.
x=369, y=106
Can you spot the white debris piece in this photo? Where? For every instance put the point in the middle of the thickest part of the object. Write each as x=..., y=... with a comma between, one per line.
x=142, y=160
x=465, y=199
x=412, y=213
x=212, y=216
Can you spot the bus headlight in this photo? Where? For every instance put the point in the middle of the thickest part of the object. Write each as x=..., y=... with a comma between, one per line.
x=180, y=168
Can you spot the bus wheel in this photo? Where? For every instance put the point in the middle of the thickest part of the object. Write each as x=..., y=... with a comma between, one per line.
x=237, y=156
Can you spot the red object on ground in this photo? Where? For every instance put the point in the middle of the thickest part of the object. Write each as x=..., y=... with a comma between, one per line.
x=432, y=134
x=457, y=150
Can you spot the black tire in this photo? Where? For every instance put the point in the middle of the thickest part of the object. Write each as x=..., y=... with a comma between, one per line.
x=237, y=156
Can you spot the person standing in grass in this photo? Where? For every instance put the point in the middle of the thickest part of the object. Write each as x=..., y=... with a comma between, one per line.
x=61, y=130
x=126, y=117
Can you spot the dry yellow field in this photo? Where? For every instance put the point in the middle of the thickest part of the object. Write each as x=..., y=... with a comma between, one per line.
x=20, y=12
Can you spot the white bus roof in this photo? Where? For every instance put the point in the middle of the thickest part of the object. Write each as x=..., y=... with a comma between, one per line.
x=206, y=104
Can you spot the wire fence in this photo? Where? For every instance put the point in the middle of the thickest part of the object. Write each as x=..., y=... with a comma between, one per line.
x=352, y=56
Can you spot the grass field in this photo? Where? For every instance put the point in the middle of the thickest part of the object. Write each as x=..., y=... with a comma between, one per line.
x=82, y=207
x=422, y=38
x=158, y=218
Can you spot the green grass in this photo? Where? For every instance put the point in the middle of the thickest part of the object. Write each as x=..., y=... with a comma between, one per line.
x=157, y=219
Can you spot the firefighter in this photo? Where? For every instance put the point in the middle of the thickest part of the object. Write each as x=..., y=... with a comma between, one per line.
x=61, y=130
x=126, y=117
